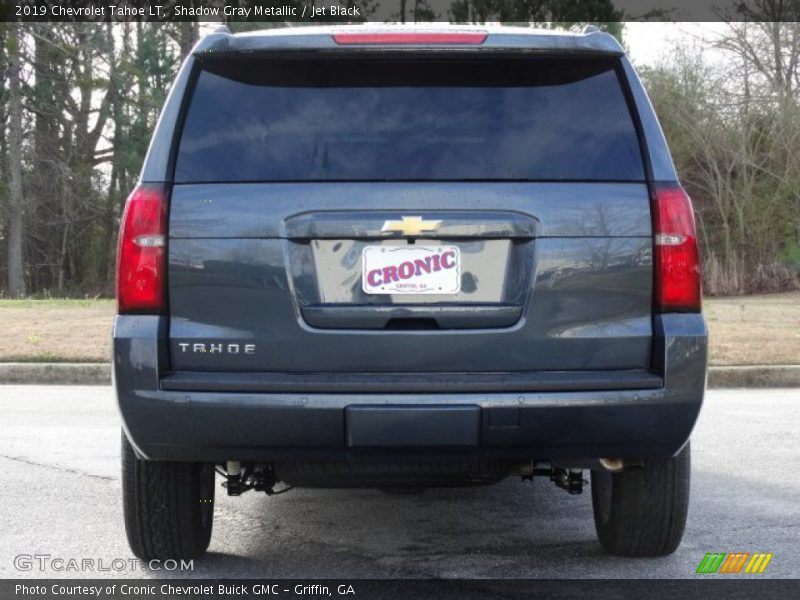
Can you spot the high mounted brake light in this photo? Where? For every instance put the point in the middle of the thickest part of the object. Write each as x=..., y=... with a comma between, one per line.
x=141, y=255
x=401, y=39
x=676, y=257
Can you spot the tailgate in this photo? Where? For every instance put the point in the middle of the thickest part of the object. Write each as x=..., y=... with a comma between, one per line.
x=390, y=214
x=554, y=276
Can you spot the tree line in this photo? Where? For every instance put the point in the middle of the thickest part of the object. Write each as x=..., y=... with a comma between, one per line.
x=79, y=103
x=78, y=108
x=730, y=109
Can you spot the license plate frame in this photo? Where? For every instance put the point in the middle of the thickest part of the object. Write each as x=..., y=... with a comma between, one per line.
x=410, y=270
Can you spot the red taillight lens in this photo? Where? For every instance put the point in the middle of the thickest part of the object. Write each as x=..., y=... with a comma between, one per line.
x=676, y=258
x=399, y=39
x=141, y=255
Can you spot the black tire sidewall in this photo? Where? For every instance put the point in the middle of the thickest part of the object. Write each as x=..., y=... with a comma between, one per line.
x=168, y=507
x=643, y=512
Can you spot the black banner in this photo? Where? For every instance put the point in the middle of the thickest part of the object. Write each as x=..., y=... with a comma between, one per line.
x=396, y=589
x=327, y=11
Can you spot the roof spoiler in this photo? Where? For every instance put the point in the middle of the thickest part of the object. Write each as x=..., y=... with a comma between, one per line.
x=222, y=42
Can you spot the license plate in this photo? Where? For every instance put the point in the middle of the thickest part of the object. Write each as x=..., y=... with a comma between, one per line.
x=411, y=270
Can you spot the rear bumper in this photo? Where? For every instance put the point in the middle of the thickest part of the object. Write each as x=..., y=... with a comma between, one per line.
x=556, y=417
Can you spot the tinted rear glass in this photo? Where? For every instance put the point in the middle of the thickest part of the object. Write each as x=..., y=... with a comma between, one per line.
x=400, y=120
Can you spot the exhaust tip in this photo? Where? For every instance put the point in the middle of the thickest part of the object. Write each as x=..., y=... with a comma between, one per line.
x=614, y=465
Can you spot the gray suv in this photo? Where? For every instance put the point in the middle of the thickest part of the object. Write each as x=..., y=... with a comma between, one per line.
x=395, y=257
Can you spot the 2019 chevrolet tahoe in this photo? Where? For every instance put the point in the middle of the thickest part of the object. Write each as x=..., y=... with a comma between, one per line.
x=404, y=257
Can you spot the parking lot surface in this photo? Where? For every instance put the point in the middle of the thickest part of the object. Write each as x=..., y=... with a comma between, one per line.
x=59, y=453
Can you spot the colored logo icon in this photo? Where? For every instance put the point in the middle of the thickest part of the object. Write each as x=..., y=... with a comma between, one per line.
x=735, y=562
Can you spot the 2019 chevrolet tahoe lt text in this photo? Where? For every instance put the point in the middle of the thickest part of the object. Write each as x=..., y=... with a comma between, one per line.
x=393, y=257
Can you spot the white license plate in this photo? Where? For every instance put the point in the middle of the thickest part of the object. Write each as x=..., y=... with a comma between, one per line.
x=411, y=270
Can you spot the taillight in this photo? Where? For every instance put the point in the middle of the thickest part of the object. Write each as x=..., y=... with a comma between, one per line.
x=141, y=255
x=676, y=258
x=399, y=39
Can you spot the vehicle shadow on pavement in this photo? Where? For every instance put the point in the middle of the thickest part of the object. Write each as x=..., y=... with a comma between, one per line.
x=513, y=529
x=510, y=530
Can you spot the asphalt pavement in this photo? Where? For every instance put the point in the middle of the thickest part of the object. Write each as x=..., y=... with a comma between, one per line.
x=60, y=498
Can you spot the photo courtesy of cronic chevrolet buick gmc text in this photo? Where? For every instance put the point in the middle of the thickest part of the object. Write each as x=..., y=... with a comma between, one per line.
x=387, y=256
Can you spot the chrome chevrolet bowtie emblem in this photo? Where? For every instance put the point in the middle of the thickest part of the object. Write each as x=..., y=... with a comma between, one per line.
x=410, y=226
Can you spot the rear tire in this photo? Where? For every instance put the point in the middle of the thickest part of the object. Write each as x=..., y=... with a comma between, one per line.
x=168, y=506
x=642, y=512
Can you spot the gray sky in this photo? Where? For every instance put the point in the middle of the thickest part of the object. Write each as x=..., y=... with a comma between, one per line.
x=648, y=42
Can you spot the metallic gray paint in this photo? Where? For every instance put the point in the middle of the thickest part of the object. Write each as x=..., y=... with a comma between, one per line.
x=587, y=307
x=261, y=210
x=263, y=426
x=157, y=166
x=590, y=309
x=584, y=248
x=658, y=157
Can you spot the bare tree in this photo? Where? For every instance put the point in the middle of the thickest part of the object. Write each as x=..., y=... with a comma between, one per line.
x=764, y=38
x=740, y=162
x=16, y=275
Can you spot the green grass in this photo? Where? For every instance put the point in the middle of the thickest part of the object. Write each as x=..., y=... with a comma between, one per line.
x=56, y=303
x=47, y=357
x=743, y=330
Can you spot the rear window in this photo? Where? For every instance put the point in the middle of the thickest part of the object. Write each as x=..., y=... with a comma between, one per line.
x=401, y=120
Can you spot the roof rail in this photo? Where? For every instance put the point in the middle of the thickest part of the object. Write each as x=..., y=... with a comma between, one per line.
x=589, y=28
